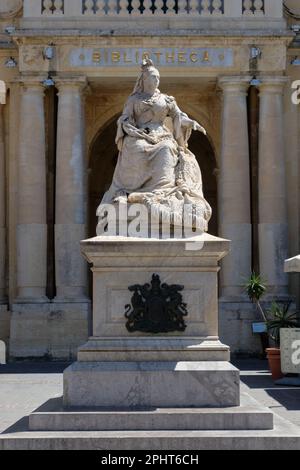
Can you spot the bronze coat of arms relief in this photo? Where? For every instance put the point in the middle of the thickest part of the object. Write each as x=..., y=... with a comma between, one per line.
x=156, y=308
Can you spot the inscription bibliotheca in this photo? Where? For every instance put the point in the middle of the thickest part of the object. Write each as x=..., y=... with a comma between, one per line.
x=165, y=57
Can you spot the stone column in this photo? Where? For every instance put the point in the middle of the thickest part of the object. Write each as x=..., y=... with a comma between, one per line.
x=2, y=210
x=273, y=233
x=71, y=192
x=32, y=228
x=234, y=186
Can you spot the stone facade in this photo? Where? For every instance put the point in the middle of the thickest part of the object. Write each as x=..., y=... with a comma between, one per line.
x=57, y=152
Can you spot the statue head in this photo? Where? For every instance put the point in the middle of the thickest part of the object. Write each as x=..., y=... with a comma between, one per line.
x=148, y=80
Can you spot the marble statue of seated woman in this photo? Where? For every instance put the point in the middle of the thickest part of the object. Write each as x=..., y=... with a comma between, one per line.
x=155, y=166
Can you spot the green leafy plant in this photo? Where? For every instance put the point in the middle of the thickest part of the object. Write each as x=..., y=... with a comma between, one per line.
x=280, y=317
x=256, y=288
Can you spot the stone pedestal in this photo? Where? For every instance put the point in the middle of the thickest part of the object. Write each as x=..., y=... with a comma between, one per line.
x=117, y=368
x=161, y=384
x=292, y=265
x=144, y=384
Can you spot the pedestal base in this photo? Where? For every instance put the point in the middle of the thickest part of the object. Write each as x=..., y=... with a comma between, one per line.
x=249, y=416
x=151, y=384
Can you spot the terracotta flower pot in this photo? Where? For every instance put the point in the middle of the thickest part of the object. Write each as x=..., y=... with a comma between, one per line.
x=273, y=355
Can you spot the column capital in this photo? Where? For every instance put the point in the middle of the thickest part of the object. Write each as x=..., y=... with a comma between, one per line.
x=272, y=84
x=237, y=84
x=32, y=84
x=77, y=84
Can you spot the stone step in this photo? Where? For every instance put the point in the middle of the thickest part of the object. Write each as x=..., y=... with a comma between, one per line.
x=153, y=349
x=248, y=416
x=285, y=436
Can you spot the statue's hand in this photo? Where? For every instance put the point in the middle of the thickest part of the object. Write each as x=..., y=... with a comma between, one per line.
x=183, y=187
x=199, y=128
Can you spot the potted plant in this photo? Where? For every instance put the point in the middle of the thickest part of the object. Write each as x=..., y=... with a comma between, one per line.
x=255, y=289
x=279, y=316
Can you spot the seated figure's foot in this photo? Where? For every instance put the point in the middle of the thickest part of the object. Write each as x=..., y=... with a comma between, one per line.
x=135, y=198
x=121, y=200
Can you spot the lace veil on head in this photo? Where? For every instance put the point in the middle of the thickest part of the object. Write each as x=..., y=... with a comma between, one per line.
x=147, y=66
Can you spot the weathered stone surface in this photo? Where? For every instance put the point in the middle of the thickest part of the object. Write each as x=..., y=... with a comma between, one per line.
x=235, y=324
x=71, y=188
x=50, y=330
x=273, y=217
x=153, y=349
x=31, y=229
x=43, y=387
x=119, y=262
x=250, y=415
x=155, y=384
x=234, y=213
x=155, y=167
x=284, y=436
x=292, y=265
x=182, y=369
